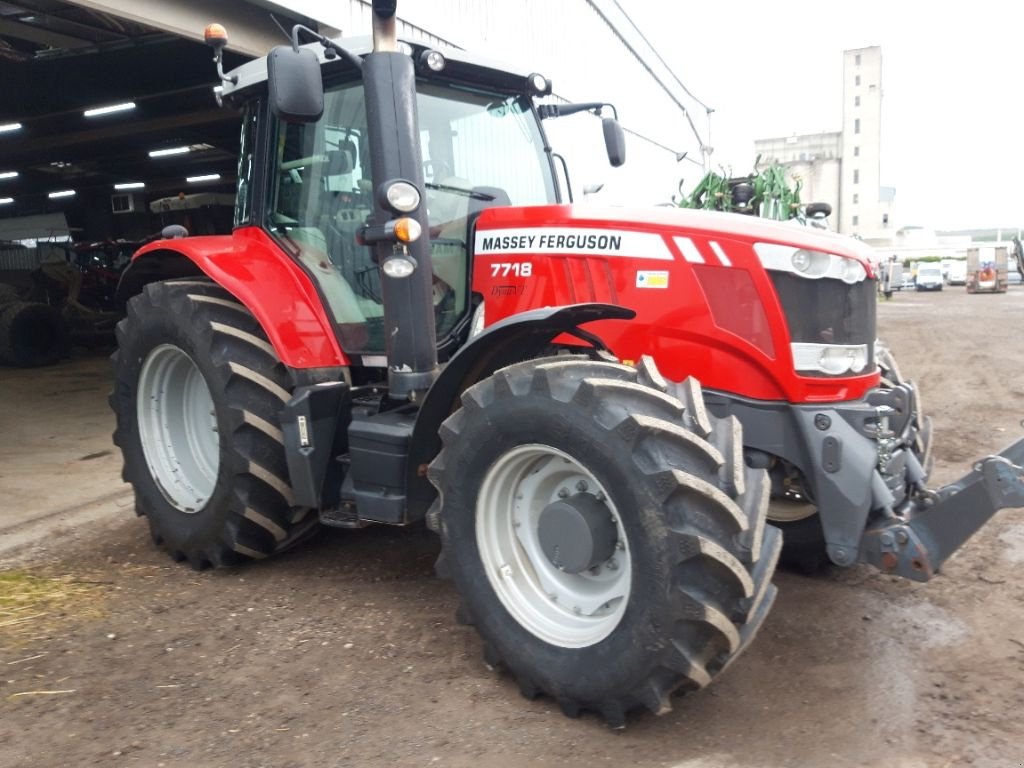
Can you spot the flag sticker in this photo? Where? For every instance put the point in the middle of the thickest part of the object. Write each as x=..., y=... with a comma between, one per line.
x=651, y=279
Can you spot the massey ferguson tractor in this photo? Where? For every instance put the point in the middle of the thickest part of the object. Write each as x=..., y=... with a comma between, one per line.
x=408, y=324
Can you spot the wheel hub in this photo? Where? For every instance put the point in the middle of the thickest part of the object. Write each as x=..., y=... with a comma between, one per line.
x=177, y=424
x=569, y=585
x=577, y=533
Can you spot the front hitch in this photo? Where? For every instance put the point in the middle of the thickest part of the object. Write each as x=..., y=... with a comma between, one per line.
x=916, y=544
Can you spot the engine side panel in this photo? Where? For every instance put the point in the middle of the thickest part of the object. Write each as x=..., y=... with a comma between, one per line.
x=251, y=266
x=705, y=305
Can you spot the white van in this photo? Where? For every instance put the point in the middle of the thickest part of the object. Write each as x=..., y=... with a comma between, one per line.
x=958, y=272
x=929, y=277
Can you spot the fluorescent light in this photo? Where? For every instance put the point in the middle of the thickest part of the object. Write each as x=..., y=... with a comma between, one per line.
x=8, y=127
x=110, y=109
x=6, y=200
x=200, y=179
x=130, y=185
x=9, y=175
x=171, y=151
x=62, y=193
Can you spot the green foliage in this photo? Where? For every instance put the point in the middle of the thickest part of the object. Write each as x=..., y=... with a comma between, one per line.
x=773, y=197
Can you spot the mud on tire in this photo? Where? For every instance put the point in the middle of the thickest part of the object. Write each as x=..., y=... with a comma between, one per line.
x=248, y=513
x=690, y=511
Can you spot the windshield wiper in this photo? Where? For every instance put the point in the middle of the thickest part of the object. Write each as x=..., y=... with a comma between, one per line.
x=460, y=191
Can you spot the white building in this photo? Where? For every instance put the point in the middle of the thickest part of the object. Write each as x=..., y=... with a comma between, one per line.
x=843, y=168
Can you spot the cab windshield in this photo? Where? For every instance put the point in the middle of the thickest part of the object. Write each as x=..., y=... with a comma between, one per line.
x=479, y=150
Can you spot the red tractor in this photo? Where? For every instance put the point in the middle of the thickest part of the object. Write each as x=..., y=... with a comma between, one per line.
x=408, y=324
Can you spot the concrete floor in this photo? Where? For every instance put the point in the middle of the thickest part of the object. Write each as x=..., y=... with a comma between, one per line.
x=56, y=454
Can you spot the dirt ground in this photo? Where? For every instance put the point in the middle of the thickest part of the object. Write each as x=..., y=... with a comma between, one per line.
x=346, y=653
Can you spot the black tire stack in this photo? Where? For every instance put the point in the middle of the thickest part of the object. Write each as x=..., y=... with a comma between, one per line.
x=31, y=334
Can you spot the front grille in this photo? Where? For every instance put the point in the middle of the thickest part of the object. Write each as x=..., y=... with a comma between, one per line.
x=827, y=311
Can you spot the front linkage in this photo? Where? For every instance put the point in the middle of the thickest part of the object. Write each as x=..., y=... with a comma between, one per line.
x=917, y=541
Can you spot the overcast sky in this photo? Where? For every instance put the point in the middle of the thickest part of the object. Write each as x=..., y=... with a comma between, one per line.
x=952, y=79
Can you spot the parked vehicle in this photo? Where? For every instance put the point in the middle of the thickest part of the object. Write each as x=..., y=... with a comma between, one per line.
x=958, y=272
x=929, y=277
x=408, y=324
x=987, y=270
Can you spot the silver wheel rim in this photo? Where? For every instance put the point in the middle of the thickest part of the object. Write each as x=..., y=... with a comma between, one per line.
x=178, y=428
x=563, y=609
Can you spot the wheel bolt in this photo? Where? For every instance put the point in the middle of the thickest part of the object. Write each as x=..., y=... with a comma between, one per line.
x=563, y=493
x=581, y=486
x=620, y=545
x=612, y=565
x=601, y=496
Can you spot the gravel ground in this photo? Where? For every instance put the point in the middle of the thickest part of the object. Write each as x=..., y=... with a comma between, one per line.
x=345, y=652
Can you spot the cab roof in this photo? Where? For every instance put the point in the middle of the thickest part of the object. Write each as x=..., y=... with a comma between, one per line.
x=461, y=67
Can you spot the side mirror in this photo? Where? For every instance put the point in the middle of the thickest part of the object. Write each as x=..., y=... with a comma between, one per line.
x=614, y=141
x=296, y=87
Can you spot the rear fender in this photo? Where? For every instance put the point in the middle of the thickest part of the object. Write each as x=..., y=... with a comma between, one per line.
x=517, y=338
x=250, y=266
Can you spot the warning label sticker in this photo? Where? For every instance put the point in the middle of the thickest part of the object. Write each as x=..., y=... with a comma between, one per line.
x=651, y=279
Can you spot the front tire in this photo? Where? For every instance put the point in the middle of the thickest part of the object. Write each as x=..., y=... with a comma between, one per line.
x=687, y=582
x=197, y=391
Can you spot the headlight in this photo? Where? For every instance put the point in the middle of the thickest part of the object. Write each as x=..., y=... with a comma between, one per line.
x=801, y=260
x=810, y=264
x=398, y=266
x=539, y=84
x=433, y=60
x=401, y=196
x=853, y=271
x=830, y=359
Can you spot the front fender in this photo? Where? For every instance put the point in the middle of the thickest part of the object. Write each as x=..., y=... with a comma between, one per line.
x=514, y=339
x=250, y=266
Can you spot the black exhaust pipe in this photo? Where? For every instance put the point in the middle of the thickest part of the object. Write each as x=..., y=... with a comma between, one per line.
x=389, y=80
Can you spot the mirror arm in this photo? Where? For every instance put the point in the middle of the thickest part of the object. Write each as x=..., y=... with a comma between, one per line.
x=329, y=45
x=563, y=110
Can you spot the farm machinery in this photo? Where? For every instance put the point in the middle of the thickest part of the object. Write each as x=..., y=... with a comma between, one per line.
x=407, y=325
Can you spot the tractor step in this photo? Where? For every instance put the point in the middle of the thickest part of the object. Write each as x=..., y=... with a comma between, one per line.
x=915, y=545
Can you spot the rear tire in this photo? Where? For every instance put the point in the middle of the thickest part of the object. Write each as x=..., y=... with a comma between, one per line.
x=687, y=517
x=197, y=391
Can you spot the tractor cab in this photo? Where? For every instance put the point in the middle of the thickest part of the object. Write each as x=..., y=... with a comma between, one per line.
x=480, y=149
x=308, y=182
